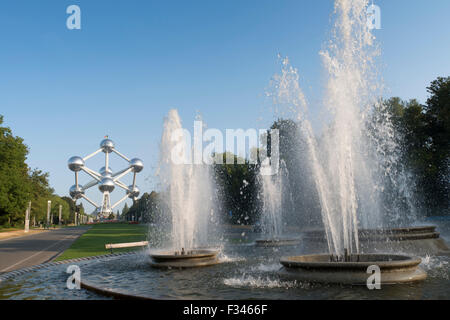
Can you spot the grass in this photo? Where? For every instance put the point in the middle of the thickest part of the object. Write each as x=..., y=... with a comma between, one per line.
x=2, y=229
x=92, y=242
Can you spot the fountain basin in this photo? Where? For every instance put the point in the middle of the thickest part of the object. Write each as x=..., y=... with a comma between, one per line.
x=421, y=240
x=319, y=268
x=276, y=242
x=191, y=258
x=395, y=234
x=255, y=277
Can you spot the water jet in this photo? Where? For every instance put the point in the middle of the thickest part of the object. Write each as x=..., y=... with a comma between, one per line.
x=188, y=201
x=352, y=163
x=273, y=194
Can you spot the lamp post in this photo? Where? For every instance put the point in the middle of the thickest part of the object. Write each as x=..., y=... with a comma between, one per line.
x=59, y=217
x=49, y=206
x=27, y=218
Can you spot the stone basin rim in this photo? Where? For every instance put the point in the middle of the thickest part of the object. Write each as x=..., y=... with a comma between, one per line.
x=403, y=262
x=168, y=255
x=384, y=231
x=278, y=241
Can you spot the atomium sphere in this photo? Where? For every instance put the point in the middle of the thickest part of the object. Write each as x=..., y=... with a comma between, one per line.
x=75, y=163
x=76, y=192
x=106, y=185
x=133, y=192
x=105, y=172
x=107, y=145
x=137, y=165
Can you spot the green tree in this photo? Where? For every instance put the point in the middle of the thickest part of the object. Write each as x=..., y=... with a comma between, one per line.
x=15, y=189
x=425, y=139
x=40, y=194
x=72, y=209
x=65, y=209
x=125, y=210
x=19, y=184
x=145, y=209
x=238, y=185
x=437, y=110
x=300, y=194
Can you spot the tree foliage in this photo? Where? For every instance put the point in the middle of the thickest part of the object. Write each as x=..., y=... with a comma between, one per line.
x=425, y=131
x=238, y=189
x=146, y=209
x=19, y=185
x=15, y=189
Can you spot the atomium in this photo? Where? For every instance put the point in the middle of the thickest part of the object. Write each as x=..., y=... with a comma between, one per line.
x=76, y=164
x=76, y=192
x=105, y=178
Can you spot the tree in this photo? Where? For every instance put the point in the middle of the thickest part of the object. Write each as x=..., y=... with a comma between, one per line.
x=72, y=209
x=65, y=212
x=238, y=185
x=146, y=209
x=15, y=189
x=437, y=110
x=19, y=185
x=125, y=210
x=40, y=194
x=425, y=139
x=300, y=192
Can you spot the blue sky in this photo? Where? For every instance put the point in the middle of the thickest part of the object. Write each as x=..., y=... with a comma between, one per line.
x=63, y=90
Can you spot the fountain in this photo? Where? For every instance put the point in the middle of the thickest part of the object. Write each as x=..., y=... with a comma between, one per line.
x=349, y=176
x=274, y=188
x=187, y=192
x=350, y=162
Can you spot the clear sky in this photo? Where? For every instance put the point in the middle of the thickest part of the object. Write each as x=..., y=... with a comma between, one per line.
x=63, y=90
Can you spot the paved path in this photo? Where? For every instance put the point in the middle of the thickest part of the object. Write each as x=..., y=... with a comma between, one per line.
x=35, y=249
x=19, y=233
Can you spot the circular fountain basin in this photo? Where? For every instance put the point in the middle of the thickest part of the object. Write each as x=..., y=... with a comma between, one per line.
x=395, y=234
x=246, y=272
x=415, y=240
x=400, y=234
x=191, y=258
x=319, y=268
x=277, y=242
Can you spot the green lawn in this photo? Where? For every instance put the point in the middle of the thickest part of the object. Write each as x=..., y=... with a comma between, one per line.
x=10, y=229
x=92, y=242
